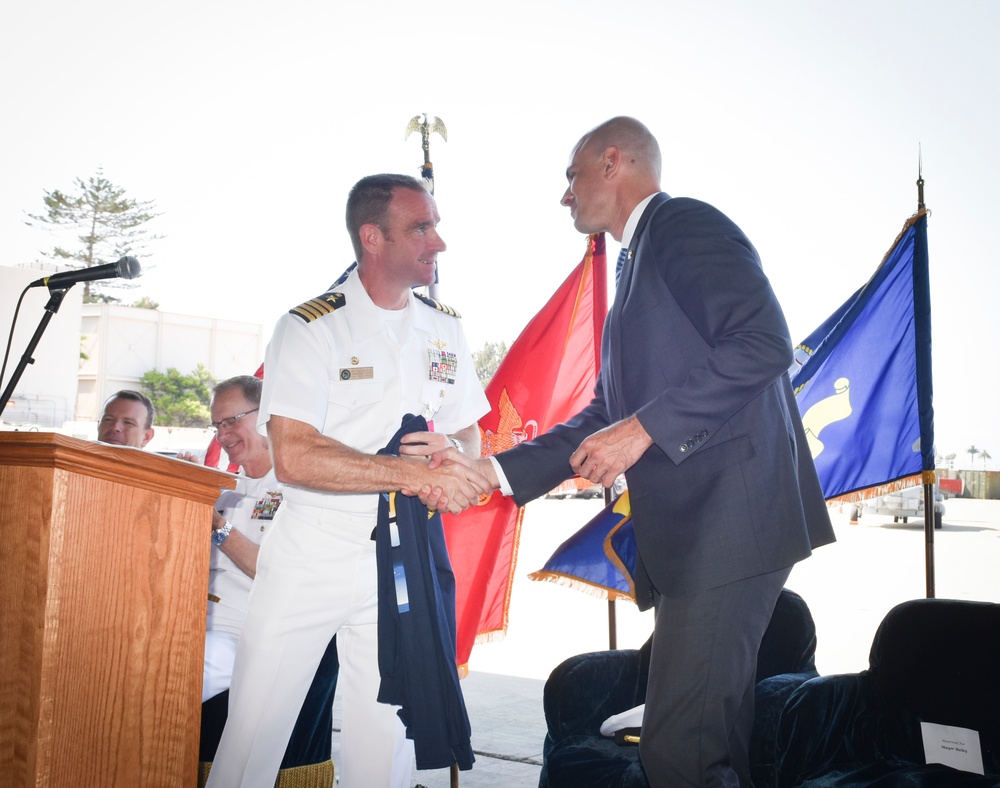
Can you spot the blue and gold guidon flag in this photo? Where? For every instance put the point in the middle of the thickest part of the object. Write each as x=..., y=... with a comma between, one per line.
x=599, y=558
x=862, y=380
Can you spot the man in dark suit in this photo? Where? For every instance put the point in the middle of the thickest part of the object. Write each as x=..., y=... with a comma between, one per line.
x=694, y=405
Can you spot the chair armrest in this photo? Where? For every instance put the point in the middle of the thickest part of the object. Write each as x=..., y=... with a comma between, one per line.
x=823, y=725
x=770, y=696
x=586, y=689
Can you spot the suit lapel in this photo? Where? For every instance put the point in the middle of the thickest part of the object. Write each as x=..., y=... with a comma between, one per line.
x=615, y=396
x=626, y=277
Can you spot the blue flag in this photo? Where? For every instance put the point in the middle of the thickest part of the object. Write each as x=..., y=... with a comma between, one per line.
x=864, y=384
x=600, y=557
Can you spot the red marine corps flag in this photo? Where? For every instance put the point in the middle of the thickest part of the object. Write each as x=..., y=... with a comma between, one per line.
x=547, y=376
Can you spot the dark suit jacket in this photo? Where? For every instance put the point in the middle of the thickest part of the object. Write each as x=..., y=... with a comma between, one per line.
x=696, y=345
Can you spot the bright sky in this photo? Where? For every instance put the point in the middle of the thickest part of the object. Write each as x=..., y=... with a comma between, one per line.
x=247, y=122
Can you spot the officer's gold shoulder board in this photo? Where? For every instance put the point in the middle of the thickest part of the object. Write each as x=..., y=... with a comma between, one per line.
x=437, y=305
x=319, y=306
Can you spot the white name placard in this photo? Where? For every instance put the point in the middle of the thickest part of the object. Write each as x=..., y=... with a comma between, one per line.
x=958, y=748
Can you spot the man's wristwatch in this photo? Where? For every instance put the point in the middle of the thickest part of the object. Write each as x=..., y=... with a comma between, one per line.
x=457, y=444
x=222, y=534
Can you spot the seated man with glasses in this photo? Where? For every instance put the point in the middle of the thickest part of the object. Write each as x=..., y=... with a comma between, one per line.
x=240, y=520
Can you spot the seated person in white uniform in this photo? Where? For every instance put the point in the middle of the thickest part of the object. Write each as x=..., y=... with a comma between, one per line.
x=127, y=420
x=240, y=520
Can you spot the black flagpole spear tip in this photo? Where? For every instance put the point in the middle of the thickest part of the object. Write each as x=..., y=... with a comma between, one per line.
x=920, y=178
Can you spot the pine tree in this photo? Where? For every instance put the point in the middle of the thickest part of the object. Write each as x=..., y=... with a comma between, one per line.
x=487, y=359
x=107, y=222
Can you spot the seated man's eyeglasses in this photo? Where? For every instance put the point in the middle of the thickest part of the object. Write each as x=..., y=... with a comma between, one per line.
x=231, y=421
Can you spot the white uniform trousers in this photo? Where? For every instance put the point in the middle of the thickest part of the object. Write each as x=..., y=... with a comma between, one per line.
x=220, y=653
x=316, y=578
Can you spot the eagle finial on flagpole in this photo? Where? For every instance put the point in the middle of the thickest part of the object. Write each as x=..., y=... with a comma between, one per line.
x=426, y=128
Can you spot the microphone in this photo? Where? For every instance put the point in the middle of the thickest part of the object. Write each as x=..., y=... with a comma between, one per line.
x=126, y=268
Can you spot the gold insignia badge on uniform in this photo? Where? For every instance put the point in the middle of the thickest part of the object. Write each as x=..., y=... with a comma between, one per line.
x=437, y=305
x=319, y=306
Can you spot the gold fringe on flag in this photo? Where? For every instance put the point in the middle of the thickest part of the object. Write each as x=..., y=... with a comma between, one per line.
x=493, y=635
x=881, y=489
x=313, y=775
x=571, y=581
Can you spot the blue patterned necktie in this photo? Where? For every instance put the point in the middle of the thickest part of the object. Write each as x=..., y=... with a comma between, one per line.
x=618, y=266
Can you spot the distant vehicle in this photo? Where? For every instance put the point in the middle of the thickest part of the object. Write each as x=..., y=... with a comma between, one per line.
x=901, y=506
x=951, y=487
x=576, y=487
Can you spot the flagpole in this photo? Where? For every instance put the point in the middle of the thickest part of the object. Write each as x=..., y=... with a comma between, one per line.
x=427, y=173
x=920, y=180
x=426, y=128
x=922, y=315
x=612, y=610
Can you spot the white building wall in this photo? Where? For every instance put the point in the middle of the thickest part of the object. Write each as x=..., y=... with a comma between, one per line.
x=62, y=390
x=123, y=343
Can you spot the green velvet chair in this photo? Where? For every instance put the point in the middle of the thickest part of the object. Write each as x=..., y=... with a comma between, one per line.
x=933, y=661
x=586, y=689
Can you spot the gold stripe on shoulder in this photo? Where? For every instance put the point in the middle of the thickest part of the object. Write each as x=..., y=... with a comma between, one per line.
x=319, y=306
x=438, y=305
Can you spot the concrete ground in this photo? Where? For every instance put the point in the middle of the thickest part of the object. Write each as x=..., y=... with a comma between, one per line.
x=849, y=587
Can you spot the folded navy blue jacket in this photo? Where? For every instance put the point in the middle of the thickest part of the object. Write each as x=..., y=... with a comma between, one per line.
x=416, y=625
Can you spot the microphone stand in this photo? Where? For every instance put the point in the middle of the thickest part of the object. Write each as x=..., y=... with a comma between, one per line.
x=55, y=301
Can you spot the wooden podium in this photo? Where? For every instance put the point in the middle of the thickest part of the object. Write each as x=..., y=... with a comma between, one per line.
x=103, y=574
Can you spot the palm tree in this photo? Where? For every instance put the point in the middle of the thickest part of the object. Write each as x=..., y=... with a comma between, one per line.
x=985, y=455
x=972, y=451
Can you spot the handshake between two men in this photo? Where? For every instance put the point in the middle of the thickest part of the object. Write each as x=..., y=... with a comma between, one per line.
x=461, y=478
